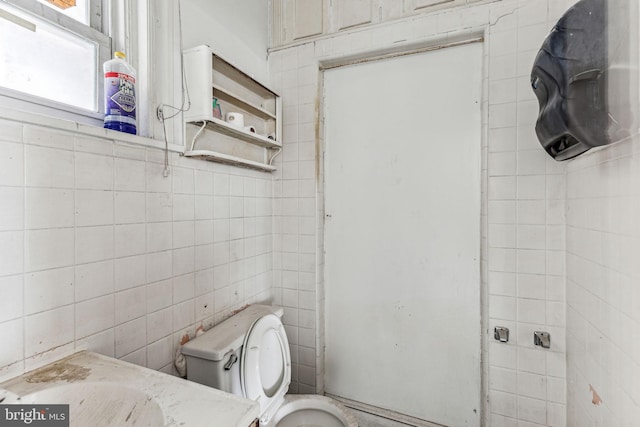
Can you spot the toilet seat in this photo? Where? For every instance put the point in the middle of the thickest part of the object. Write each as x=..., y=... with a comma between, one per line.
x=265, y=365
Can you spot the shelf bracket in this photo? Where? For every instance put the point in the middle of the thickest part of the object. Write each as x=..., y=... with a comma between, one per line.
x=274, y=155
x=193, y=141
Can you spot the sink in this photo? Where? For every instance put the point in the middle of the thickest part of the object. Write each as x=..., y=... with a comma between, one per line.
x=99, y=404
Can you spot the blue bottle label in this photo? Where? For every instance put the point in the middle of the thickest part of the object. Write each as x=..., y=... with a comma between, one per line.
x=120, y=98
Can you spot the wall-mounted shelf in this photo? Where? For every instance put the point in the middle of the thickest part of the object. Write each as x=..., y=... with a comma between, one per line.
x=213, y=156
x=209, y=76
x=246, y=136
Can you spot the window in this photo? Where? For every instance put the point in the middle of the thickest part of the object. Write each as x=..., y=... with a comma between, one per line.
x=52, y=57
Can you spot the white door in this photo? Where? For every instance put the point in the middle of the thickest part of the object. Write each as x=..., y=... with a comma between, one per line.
x=402, y=234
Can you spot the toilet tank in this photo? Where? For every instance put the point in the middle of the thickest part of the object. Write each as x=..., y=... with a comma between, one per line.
x=213, y=358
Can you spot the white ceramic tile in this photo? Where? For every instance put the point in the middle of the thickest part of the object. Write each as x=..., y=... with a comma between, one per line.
x=236, y=271
x=49, y=248
x=532, y=410
x=48, y=167
x=156, y=182
x=503, y=260
x=502, y=212
x=183, y=181
x=249, y=186
x=221, y=184
x=183, y=261
x=94, y=315
x=532, y=385
x=94, y=280
x=236, y=207
x=557, y=414
x=137, y=357
x=13, y=342
x=13, y=207
x=159, y=295
x=129, y=207
x=130, y=336
x=159, y=236
x=183, y=315
x=531, y=212
x=221, y=302
x=94, y=171
x=159, y=266
x=221, y=277
x=503, y=403
x=497, y=420
x=183, y=234
x=47, y=290
x=159, y=324
x=11, y=131
x=532, y=28
x=48, y=208
x=94, y=207
x=203, y=281
x=159, y=207
x=49, y=329
x=130, y=240
x=94, y=244
x=203, y=232
x=502, y=235
x=203, y=257
x=130, y=272
x=249, y=207
x=502, y=307
x=204, y=307
x=501, y=283
x=203, y=207
x=86, y=144
x=11, y=164
x=556, y=390
x=48, y=137
x=531, y=187
x=183, y=207
x=183, y=288
x=160, y=354
x=532, y=237
x=531, y=286
x=11, y=304
x=203, y=182
x=129, y=175
x=249, y=227
x=222, y=206
x=504, y=380
x=130, y=304
x=502, y=66
x=102, y=343
x=236, y=185
x=532, y=162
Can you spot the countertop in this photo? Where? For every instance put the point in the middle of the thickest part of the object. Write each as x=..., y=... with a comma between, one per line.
x=183, y=403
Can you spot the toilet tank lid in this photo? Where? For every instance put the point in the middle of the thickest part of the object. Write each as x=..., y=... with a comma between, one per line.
x=229, y=335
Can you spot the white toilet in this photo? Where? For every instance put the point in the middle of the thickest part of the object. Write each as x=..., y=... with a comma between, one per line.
x=248, y=355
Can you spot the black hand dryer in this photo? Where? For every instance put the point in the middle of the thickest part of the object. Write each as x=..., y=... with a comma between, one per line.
x=571, y=79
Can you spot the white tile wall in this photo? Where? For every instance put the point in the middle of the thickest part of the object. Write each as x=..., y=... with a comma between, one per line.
x=603, y=292
x=98, y=250
x=523, y=207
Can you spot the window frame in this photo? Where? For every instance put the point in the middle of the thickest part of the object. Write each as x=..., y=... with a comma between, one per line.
x=96, y=32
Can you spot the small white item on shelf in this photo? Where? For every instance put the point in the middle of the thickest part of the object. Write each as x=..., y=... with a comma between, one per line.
x=235, y=119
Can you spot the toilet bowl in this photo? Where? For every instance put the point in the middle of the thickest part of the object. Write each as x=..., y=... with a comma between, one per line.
x=248, y=355
x=312, y=410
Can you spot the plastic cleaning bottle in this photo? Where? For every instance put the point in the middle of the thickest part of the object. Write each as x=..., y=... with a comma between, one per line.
x=119, y=94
